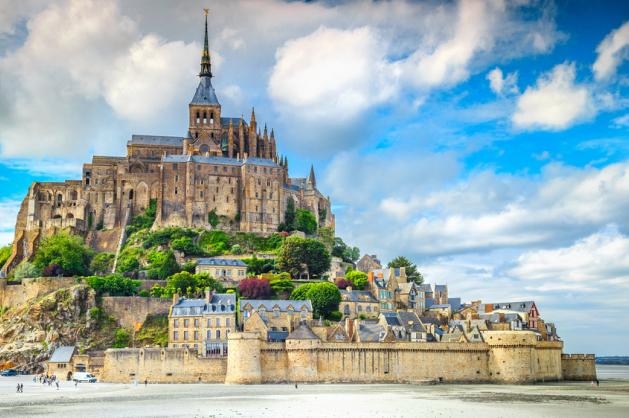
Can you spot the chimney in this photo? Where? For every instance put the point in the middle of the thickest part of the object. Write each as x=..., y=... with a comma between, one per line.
x=175, y=298
x=349, y=327
x=208, y=295
x=489, y=307
x=370, y=277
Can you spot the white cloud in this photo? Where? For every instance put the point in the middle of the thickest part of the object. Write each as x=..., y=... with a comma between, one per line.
x=621, y=121
x=611, y=52
x=332, y=73
x=555, y=103
x=500, y=84
x=8, y=214
x=599, y=260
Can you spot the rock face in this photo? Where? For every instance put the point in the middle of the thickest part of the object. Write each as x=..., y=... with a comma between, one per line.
x=30, y=332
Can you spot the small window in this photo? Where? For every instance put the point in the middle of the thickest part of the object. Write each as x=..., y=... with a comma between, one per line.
x=218, y=334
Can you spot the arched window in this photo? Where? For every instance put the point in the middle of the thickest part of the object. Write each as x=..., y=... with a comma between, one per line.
x=360, y=308
x=131, y=194
x=198, y=118
x=346, y=310
x=204, y=118
x=196, y=135
x=211, y=118
x=59, y=198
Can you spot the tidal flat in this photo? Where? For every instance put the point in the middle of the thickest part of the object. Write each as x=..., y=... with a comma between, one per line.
x=582, y=399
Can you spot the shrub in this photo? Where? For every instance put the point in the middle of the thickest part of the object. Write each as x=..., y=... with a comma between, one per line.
x=129, y=260
x=162, y=264
x=102, y=263
x=186, y=245
x=121, y=339
x=191, y=285
x=113, y=285
x=335, y=316
x=342, y=283
x=67, y=251
x=26, y=270
x=282, y=287
x=305, y=221
x=189, y=266
x=259, y=265
x=5, y=253
x=254, y=288
x=144, y=293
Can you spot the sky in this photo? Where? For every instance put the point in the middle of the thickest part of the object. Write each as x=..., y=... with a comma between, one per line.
x=486, y=141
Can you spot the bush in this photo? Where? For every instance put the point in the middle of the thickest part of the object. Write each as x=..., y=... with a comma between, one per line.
x=335, y=316
x=129, y=260
x=325, y=297
x=212, y=218
x=357, y=278
x=282, y=287
x=254, y=288
x=342, y=283
x=189, y=266
x=191, y=285
x=102, y=263
x=26, y=270
x=186, y=245
x=258, y=266
x=113, y=285
x=144, y=293
x=5, y=253
x=67, y=251
x=121, y=339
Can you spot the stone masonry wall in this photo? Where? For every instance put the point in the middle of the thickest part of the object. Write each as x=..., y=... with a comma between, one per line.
x=131, y=310
x=12, y=295
x=162, y=365
x=578, y=366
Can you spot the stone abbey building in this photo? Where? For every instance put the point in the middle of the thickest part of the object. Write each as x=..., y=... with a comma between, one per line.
x=223, y=170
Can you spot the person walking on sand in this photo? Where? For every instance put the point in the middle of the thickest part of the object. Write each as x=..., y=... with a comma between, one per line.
x=146, y=382
x=76, y=383
x=598, y=383
x=18, y=388
x=57, y=383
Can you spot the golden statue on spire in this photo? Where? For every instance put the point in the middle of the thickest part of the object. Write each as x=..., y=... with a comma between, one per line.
x=206, y=11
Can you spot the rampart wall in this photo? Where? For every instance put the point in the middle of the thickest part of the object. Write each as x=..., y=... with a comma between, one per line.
x=578, y=366
x=166, y=365
x=507, y=358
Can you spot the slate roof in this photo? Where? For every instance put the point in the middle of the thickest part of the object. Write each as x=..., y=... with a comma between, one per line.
x=282, y=304
x=358, y=296
x=513, y=306
x=202, y=159
x=221, y=303
x=370, y=332
x=302, y=332
x=62, y=354
x=235, y=121
x=231, y=262
x=441, y=288
x=277, y=335
x=440, y=306
x=391, y=318
x=174, y=141
x=260, y=161
x=410, y=321
x=429, y=302
x=205, y=94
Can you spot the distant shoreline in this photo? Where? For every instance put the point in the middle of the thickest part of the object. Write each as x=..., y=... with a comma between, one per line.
x=615, y=360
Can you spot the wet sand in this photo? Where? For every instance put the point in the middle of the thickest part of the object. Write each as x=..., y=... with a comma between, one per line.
x=575, y=400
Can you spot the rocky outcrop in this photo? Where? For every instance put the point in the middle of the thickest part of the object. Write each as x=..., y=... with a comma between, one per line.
x=30, y=332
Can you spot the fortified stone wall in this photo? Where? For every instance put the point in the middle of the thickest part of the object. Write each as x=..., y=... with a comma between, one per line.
x=165, y=365
x=509, y=358
x=578, y=366
x=12, y=295
x=131, y=310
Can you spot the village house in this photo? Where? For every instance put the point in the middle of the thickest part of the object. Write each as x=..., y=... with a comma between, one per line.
x=526, y=310
x=405, y=326
x=202, y=324
x=358, y=304
x=231, y=270
x=274, y=319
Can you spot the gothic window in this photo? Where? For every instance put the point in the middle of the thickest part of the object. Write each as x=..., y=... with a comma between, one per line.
x=198, y=118
x=211, y=118
x=175, y=190
x=212, y=135
x=204, y=118
x=130, y=194
x=196, y=135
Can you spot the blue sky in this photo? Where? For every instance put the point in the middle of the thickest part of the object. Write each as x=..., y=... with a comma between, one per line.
x=487, y=141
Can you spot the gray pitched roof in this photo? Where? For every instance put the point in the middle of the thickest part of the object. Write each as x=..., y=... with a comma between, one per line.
x=410, y=321
x=281, y=304
x=221, y=303
x=184, y=158
x=232, y=262
x=205, y=94
x=514, y=306
x=175, y=141
x=370, y=332
x=260, y=161
x=358, y=296
x=62, y=354
x=391, y=318
x=302, y=332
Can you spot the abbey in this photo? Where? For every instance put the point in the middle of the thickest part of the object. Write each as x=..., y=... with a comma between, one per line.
x=225, y=172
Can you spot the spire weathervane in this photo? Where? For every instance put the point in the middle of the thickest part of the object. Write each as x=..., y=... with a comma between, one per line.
x=206, y=66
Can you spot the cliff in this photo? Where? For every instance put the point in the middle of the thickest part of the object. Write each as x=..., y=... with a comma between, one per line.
x=29, y=332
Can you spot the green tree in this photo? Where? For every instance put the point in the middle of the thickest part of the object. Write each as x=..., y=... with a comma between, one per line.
x=358, y=279
x=129, y=260
x=191, y=285
x=412, y=274
x=66, y=251
x=162, y=264
x=102, y=263
x=258, y=266
x=186, y=245
x=297, y=253
x=325, y=297
x=289, y=216
x=305, y=221
x=344, y=251
x=282, y=287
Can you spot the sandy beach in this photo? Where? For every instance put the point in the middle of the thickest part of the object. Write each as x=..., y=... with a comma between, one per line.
x=611, y=399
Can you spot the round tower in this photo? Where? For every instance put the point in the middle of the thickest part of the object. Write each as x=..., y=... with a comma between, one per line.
x=243, y=360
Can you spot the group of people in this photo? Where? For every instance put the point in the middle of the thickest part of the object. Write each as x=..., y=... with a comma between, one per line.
x=20, y=387
x=45, y=379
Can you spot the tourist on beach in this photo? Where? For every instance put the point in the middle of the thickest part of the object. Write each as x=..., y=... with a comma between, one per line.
x=598, y=383
x=18, y=388
x=57, y=383
x=146, y=382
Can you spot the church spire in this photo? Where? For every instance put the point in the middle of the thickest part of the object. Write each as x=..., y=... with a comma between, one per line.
x=206, y=66
x=311, y=178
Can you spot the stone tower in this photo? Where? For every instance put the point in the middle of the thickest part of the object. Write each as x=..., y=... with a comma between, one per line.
x=204, y=130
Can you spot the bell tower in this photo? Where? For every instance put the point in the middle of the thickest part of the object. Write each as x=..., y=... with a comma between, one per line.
x=205, y=129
